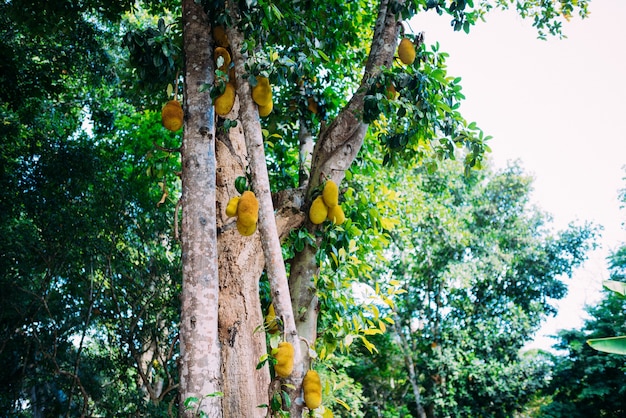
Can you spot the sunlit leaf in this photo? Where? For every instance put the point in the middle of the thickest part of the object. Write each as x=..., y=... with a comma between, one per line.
x=615, y=286
x=615, y=345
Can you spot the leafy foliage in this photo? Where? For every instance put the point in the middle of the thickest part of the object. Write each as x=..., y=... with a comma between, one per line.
x=586, y=382
x=479, y=270
x=89, y=263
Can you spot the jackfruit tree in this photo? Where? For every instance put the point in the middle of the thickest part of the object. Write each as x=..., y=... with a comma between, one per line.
x=326, y=71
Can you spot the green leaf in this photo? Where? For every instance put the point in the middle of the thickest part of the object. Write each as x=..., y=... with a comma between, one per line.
x=189, y=401
x=615, y=345
x=323, y=55
x=615, y=286
x=241, y=184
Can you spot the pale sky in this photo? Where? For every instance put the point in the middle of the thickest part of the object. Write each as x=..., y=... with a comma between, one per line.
x=559, y=106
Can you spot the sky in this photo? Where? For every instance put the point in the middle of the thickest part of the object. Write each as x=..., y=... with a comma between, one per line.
x=559, y=107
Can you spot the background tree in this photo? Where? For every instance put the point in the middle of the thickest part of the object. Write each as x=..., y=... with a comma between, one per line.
x=586, y=382
x=90, y=310
x=480, y=270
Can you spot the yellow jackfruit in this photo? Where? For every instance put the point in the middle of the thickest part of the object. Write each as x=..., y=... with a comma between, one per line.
x=270, y=320
x=224, y=103
x=391, y=92
x=312, y=105
x=318, y=211
x=331, y=194
x=248, y=209
x=245, y=230
x=336, y=215
x=312, y=387
x=219, y=35
x=406, y=51
x=222, y=52
x=231, y=207
x=266, y=110
x=284, y=359
x=172, y=115
x=262, y=92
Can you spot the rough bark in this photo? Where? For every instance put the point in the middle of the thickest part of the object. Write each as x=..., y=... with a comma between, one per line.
x=333, y=154
x=240, y=266
x=199, y=346
x=274, y=263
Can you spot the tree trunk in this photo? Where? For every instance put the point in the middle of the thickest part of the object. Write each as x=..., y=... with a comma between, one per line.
x=410, y=365
x=240, y=266
x=249, y=118
x=334, y=152
x=200, y=373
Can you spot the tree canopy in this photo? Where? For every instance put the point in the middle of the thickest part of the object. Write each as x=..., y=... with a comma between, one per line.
x=129, y=291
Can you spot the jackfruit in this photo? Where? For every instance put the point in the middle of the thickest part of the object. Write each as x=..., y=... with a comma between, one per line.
x=262, y=92
x=248, y=209
x=318, y=211
x=312, y=387
x=224, y=103
x=231, y=207
x=270, y=320
x=406, y=51
x=172, y=115
x=245, y=230
x=331, y=194
x=312, y=105
x=219, y=35
x=266, y=110
x=391, y=92
x=336, y=215
x=222, y=52
x=284, y=359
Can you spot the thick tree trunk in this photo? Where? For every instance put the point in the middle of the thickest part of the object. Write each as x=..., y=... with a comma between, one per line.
x=200, y=373
x=240, y=266
x=274, y=263
x=334, y=153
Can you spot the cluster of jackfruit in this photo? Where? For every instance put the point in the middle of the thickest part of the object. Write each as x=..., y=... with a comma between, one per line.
x=261, y=93
x=246, y=208
x=326, y=206
x=172, y=115
x=312, y=387
x=223, y=103
x=262, y=96
x=283, y=354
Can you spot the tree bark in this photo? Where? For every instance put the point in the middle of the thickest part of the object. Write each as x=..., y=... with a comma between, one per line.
x=274, y=263
x=200, y=373
x=334, y=153
x=240, y=266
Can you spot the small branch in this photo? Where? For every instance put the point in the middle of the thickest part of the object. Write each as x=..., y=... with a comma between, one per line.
x=176, y=211
x=165, y=149
x=248, y=115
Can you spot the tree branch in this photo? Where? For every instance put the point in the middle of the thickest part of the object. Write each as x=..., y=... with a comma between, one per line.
x=274, y=264
x=341, y=141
